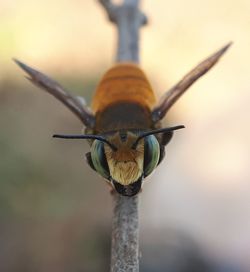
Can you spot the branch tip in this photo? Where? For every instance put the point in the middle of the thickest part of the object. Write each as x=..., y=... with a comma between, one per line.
x=110, y=9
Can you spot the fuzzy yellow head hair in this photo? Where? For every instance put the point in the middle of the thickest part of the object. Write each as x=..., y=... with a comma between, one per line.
x=125, y=164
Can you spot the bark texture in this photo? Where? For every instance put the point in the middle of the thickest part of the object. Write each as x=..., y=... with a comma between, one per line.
x=125, y=234
x=125, y=227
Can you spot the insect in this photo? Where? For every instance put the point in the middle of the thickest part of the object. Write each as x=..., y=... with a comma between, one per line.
x=123, y=126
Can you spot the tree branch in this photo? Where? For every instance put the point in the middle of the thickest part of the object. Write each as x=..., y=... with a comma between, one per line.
x=110, y=9
x=125, y=228
x=125, y=234
x=128, y=19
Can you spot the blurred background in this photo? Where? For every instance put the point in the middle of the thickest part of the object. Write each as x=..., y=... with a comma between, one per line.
x=55, y=213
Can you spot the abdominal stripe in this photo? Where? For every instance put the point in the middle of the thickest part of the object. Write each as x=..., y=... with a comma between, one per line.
x=123, y=78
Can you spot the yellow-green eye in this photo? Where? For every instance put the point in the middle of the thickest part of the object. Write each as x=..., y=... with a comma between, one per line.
x=99, y=159
x=151, y=154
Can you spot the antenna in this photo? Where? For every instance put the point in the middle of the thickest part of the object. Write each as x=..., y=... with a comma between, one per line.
x=156, y=131
x=96, y=137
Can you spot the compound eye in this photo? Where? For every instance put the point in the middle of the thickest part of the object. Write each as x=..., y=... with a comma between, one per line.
x=151, y=154
x=99, y=160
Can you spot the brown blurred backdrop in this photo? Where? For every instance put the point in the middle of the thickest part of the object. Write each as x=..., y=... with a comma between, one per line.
x=55, y=213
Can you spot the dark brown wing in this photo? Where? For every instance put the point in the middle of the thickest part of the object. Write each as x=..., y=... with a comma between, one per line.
x=54, y=88
x=171, y=96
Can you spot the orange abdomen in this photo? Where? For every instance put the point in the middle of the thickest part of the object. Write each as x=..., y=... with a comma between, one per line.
x=124, y=82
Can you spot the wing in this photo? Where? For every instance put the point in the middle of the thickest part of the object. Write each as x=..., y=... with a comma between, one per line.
x=72, y=102
x=175, y=92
